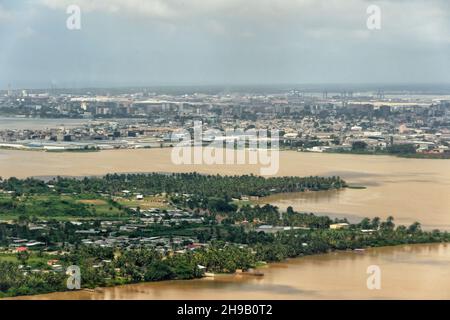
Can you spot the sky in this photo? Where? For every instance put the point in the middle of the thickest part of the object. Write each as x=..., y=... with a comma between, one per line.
x=214, y=42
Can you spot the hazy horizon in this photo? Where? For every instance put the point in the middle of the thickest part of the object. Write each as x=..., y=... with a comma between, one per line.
x=410, y=88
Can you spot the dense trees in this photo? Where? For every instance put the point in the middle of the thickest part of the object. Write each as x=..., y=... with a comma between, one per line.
x=188, y=183
x=402, y=149
x=49, y=206
x=271, y=215
x=14, y=282
x=407, y=150
x=63, y=196
x=230, y=249
x=359, y=146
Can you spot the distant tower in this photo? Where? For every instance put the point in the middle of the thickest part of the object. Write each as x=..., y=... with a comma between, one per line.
x=9, y=90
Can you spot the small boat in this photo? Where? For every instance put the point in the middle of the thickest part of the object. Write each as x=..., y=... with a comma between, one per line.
x=359, y=250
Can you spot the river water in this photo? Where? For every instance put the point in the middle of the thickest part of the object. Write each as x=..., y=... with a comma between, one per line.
x=408, y=189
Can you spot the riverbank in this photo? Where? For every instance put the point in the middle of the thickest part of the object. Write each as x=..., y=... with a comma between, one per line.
x=430, y=156
x=112, y=267
x=318, y=237
x=437, y=156
x=407, y=271
x=409, y=189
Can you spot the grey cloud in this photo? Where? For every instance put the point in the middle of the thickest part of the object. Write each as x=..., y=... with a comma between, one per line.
x=225, y=41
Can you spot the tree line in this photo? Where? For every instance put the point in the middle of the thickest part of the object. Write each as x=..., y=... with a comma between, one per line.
x=187, y=183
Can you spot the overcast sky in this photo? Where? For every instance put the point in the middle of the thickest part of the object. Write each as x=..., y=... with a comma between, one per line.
x=164, y=42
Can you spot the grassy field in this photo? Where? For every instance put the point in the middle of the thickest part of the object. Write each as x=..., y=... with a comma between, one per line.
x=101, y=208
x=34, y=258
x=68, y=207
x=63, y=207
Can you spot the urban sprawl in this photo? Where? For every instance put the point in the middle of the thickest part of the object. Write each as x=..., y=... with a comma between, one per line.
x=371, y=122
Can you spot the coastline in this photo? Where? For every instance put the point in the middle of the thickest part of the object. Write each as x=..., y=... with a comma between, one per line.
x=394, y=186
x=327, y=258
x=423, y=156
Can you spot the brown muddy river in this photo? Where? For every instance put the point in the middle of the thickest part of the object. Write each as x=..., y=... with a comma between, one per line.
x=407, y=272
x=408, y=189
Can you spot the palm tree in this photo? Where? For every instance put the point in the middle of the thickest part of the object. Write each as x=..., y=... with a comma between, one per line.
x=375, y=223
x=390, y=222
x=415, y=227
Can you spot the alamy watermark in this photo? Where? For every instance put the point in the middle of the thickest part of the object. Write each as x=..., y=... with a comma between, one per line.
x=73, y=22
x=374, y=280
x=232, y=147
x=74, y=280
x=374, y=18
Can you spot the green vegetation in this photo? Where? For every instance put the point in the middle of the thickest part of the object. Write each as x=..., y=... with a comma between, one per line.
x=84, y=149
x=359, y=146
x=233, y=248
x=105, y=197
x=55, y=206
x=399, y=150
x=217, y=235
x=188, y=183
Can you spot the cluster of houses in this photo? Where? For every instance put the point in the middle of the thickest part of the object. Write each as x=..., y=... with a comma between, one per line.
x=163, y=244
x=20, y=245
x=167, y=217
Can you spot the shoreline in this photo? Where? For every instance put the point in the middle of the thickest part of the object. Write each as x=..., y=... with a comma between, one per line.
x=100, y=290
x=419, y=156
x=394, y=186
